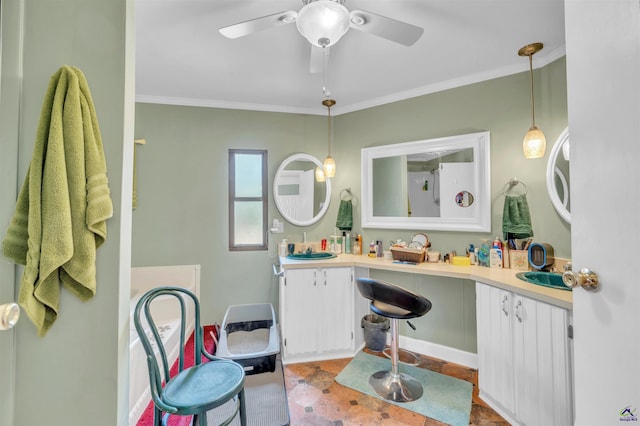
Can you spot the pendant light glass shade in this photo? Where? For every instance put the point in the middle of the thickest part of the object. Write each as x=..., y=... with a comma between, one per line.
x=534, y=143
x=323, y=22
x=320, y=174
x=329, y=166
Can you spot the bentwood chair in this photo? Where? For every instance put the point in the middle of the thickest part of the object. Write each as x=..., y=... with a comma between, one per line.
x=194, y=389
x=396, y=303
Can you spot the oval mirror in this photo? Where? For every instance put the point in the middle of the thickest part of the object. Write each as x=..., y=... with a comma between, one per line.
x=464, y=198
x=300, y=198
x=558, y=185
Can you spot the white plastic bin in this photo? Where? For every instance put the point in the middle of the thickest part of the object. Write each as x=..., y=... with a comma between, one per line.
x=249, y=335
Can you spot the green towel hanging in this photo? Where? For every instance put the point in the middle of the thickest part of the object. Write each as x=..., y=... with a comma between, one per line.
x=516, y=218
x=62, y=209
x=345, y=216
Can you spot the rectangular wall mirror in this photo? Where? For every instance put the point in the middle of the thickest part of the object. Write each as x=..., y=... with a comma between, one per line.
x=435, y=184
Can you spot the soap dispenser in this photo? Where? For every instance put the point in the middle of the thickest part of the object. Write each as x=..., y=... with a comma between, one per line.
x=283, y=247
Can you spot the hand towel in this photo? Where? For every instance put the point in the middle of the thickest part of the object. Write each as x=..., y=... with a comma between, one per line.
x=344, y=222
x=62, y=208
x=516, y=218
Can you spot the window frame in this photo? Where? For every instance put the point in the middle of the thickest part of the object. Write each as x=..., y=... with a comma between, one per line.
x=233, y=199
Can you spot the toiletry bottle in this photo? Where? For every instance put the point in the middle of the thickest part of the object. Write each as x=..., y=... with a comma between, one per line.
x=354, y=243
x=283, y=247
x=347, y=243
x=344, y=242
x=339, y=245
x=472, y=254
x=372, y=249
x=497, y=244
x=495, y=258
x=379, y=250
x=483, y=255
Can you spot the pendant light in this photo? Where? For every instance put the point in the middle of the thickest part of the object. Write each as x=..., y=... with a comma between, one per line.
x=320, y=174
x=534, y=143
x=329, y=166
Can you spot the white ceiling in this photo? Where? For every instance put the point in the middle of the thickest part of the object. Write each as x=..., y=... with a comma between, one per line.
x=182, y=59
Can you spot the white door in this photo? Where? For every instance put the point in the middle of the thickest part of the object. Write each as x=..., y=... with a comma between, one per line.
x=296, y=193
x=603, y=79
x=9, y=112
x=457, y=178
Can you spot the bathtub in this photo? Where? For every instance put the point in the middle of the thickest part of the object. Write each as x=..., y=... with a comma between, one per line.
x=165, y=311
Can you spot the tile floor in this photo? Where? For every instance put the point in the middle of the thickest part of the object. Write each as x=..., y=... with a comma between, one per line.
x=316, y=399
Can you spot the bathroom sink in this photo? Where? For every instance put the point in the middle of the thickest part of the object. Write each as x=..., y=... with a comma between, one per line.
x=546, y=279
x=311, y=256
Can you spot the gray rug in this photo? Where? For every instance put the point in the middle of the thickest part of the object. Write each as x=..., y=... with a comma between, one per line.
x=445, y=398
x=266, y=401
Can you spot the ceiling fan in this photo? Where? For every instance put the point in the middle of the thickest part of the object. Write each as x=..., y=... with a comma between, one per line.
x=324, y=22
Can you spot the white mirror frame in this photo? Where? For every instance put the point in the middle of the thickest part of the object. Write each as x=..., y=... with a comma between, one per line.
x=480, y=142
x=325, y=205
x=552, y=171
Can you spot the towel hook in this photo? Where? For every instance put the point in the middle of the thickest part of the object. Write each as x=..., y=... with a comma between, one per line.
x=513, y=182
x=349, y=194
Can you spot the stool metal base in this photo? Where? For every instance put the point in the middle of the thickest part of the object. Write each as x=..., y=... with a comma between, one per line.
x=397, y=387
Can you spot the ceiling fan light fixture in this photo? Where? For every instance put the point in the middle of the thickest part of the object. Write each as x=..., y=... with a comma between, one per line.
x=323, y=22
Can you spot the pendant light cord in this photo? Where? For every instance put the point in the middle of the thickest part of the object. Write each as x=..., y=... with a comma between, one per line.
x=533, y=107
x=329, y=127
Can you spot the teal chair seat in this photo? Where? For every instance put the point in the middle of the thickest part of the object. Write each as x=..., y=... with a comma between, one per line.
x=196, y=389
x=204, y=386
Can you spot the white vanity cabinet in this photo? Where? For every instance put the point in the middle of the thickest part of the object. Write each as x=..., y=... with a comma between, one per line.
x=524, y=357
x=317, y=313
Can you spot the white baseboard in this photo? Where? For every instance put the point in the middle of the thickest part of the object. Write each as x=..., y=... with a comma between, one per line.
x=445, y=353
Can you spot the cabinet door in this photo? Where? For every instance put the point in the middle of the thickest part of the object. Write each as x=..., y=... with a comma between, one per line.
x=495, y=346
x=543, y=373
x=335, y=322
x=299, y=311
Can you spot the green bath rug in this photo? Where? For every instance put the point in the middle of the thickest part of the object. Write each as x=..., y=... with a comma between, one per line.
x=445, y=398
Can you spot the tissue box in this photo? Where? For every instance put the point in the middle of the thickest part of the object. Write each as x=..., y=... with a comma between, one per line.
x=519, y=259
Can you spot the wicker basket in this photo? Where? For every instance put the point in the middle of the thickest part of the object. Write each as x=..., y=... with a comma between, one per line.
x=408, y=254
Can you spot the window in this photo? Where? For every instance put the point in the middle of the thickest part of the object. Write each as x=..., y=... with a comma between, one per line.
x=247, y=199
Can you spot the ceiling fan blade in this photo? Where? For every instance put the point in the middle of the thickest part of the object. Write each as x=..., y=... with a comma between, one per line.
x=385, y=27
x=319, y=59
x=242, y=29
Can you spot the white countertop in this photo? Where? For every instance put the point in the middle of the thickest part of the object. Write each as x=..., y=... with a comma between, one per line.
x=502, y=278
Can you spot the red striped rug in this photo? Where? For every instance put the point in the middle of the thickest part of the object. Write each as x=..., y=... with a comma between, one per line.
x=146, y=419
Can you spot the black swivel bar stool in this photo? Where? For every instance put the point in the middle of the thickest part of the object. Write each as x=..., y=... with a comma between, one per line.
x=389, y=300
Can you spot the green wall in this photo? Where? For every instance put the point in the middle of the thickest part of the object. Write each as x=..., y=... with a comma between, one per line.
x=182, y=173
